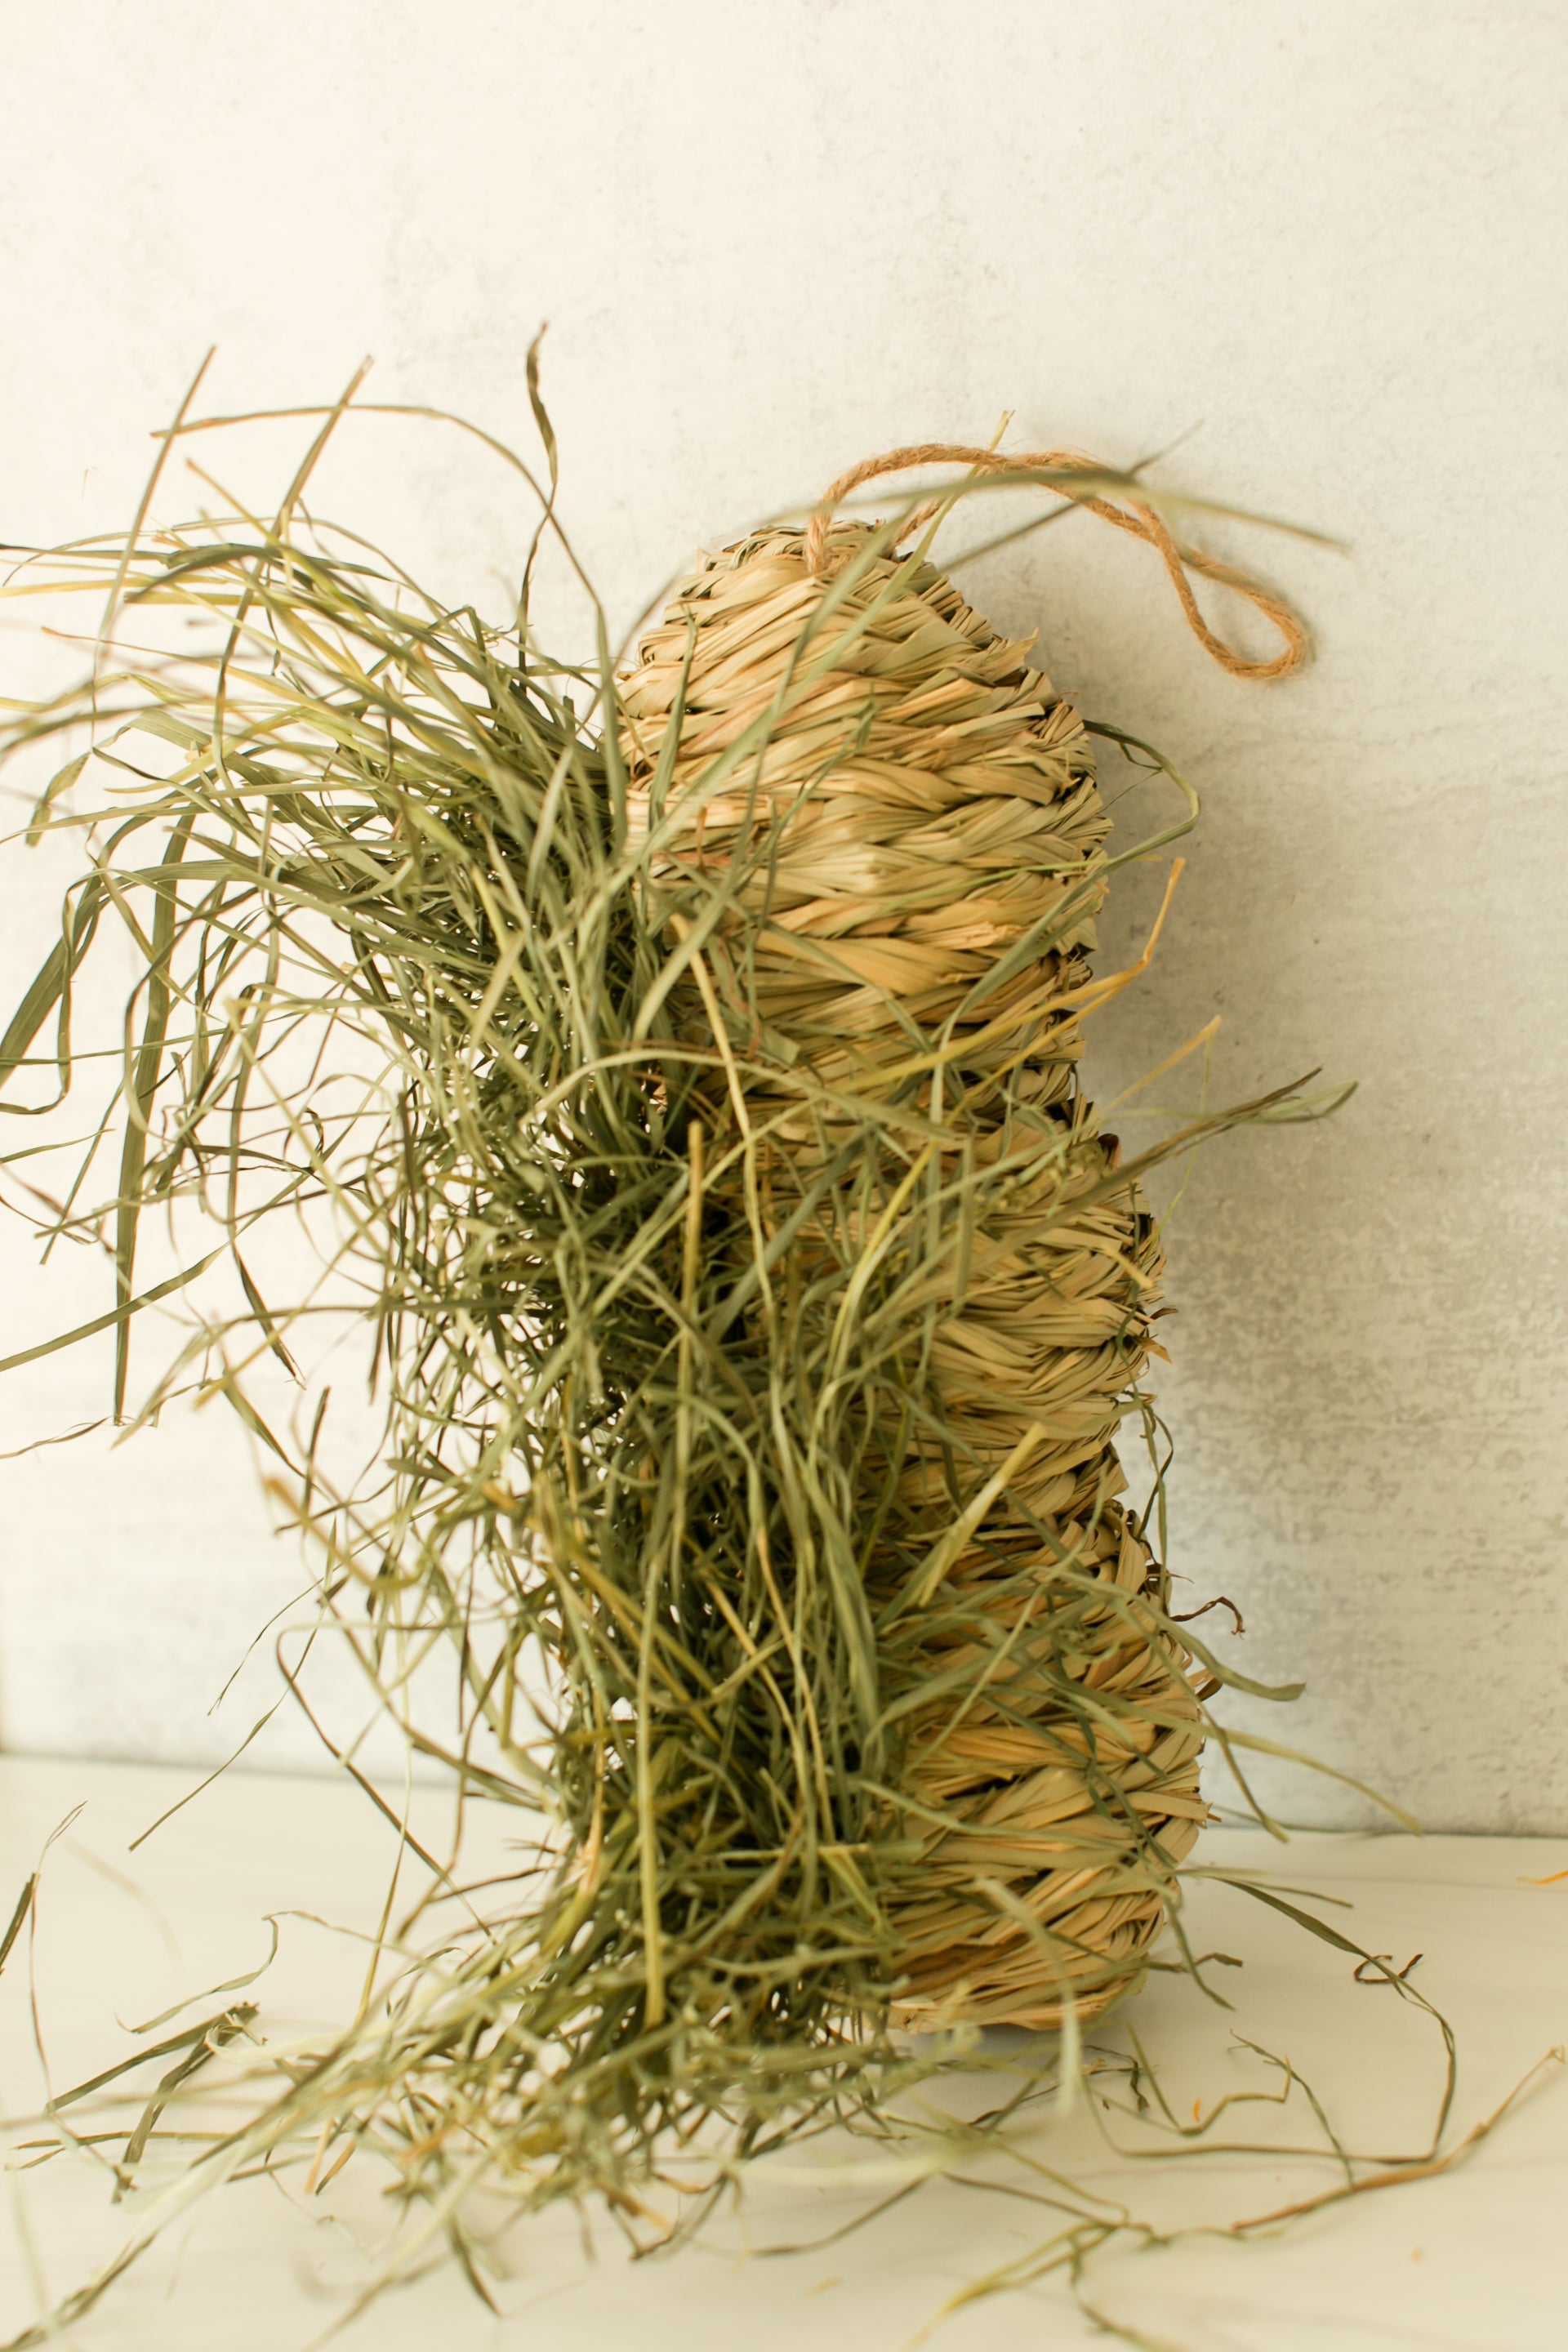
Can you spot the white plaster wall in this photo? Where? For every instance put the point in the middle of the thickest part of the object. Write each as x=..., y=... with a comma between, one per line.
x=771, y=236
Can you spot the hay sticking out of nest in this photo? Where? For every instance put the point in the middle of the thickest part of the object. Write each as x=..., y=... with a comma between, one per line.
x=756, y=1296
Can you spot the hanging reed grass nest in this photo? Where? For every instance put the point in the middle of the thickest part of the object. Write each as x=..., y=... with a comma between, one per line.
x=755, y=1294
x=915, y=935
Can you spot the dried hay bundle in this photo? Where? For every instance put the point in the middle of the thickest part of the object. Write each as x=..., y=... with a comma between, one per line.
x=754, y=1295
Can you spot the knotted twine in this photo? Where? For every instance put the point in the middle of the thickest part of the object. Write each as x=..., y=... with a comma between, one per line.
x=919, y=933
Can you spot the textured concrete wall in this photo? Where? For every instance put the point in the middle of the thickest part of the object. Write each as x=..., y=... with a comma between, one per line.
x=772, y=237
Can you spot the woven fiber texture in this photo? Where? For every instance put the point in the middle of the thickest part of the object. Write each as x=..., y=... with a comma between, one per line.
x=916, y=937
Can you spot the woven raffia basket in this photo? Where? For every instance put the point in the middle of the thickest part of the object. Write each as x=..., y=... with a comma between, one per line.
x=929, y=798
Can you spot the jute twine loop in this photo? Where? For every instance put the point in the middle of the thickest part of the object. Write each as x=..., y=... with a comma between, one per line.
x=928, y=798
x=1140, y=521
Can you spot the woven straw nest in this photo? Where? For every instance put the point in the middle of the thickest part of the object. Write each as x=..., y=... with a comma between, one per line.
x=928, y=800
x=754, y=1293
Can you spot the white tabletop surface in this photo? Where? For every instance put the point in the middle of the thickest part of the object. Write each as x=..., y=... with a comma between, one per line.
x=1473, y=2261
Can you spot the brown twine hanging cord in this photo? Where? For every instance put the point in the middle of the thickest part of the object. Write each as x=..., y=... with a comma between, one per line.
x=1137, y=518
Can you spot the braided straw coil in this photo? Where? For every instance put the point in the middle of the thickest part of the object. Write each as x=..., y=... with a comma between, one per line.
x=928, y=800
